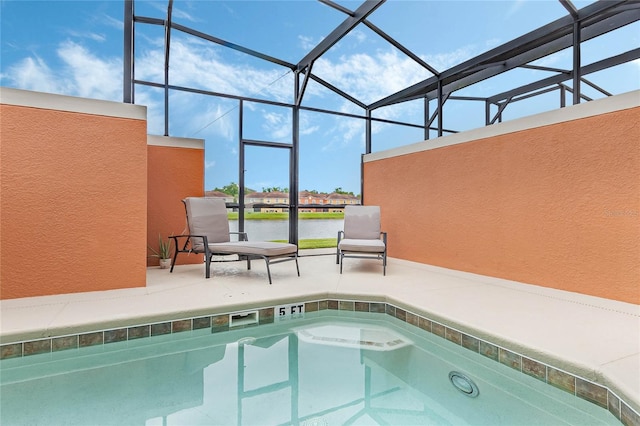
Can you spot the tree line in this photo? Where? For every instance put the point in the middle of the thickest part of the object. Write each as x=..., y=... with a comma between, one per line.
x=233, y=189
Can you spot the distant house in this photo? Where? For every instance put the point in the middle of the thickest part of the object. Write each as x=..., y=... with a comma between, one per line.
x=311, y=201
x=278, y=202
x=218, y=194
x=268, y=202
x=322, y=202
x=307, y=197
x=341, y=200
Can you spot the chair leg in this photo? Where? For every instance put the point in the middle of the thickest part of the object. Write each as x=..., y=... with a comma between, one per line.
x=266, y=259
x=384, y=263
x=297, y=268
x=173, y=262
x=341, y=261
x=208, y=266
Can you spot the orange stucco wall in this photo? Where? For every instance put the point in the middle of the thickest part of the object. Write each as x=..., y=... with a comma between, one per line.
x=556, y=206
x=73, y=194
x=174, y=173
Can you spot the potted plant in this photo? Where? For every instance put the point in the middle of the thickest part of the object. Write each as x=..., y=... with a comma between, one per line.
x=163, y=253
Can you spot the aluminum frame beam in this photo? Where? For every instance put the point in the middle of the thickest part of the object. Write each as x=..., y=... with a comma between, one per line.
x=339, y=32
x=596, y=19
x=128, y=48
x=338, y=91
x=573, y=11
x=233, y=46
x=384, y=35
x=401, y=48
x=607, y=15
x=585, y=70
x=167, y=50
x=571, y=30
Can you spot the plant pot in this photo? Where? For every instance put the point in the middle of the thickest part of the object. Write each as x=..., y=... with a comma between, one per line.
x=165, y=263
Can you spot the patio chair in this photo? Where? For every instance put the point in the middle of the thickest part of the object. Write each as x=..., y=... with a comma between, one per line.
x=362, y=237
x=209, y=234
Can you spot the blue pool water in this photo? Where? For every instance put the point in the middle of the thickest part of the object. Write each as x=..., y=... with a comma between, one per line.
x=323, y=369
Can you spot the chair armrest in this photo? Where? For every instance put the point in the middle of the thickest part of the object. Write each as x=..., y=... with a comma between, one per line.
x=175, y=239
x=179, y=236
x=187, y=240
x=384, y=237
x=242, y=236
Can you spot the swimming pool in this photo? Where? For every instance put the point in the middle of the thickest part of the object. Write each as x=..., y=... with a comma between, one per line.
x=320, y=369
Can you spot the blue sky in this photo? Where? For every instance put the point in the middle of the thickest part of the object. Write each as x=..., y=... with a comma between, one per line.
x=75, y=48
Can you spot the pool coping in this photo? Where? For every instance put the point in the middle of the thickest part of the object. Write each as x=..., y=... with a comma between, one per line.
x=605, y=395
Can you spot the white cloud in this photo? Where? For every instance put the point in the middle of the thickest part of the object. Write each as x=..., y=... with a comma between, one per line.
x=177, y=12
x=181, y=14
x=277, y=126
x=371, y=77
x=306, y=128
x=196, y=64
x=446, y=60
x=555, y=60
x=306, y=43
x=214, y=120
x=113, y=22
x=82, y=74
x=309, y=130
x=515, y=7
x=360, y=36
x=492, y=42
x=351, y=130
x=33, y=74
x=87, y=34
x=90, y=76
x=157, y=5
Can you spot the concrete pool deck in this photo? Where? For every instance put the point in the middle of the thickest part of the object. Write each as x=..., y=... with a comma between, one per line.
x=590, y=337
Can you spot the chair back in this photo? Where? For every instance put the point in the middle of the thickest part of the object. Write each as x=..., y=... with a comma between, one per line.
x=362, y=222
x=208, y=217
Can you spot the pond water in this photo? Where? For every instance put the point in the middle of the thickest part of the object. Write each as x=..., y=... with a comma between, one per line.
x=265, y=230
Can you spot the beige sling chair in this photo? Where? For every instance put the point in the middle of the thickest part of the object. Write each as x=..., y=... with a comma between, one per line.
x=209, y=234
x=362, y=237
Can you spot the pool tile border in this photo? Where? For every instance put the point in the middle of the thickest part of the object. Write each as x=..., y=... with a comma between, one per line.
x=578, y=386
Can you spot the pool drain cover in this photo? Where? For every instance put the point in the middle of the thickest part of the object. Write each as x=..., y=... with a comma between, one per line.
x=464, y=384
